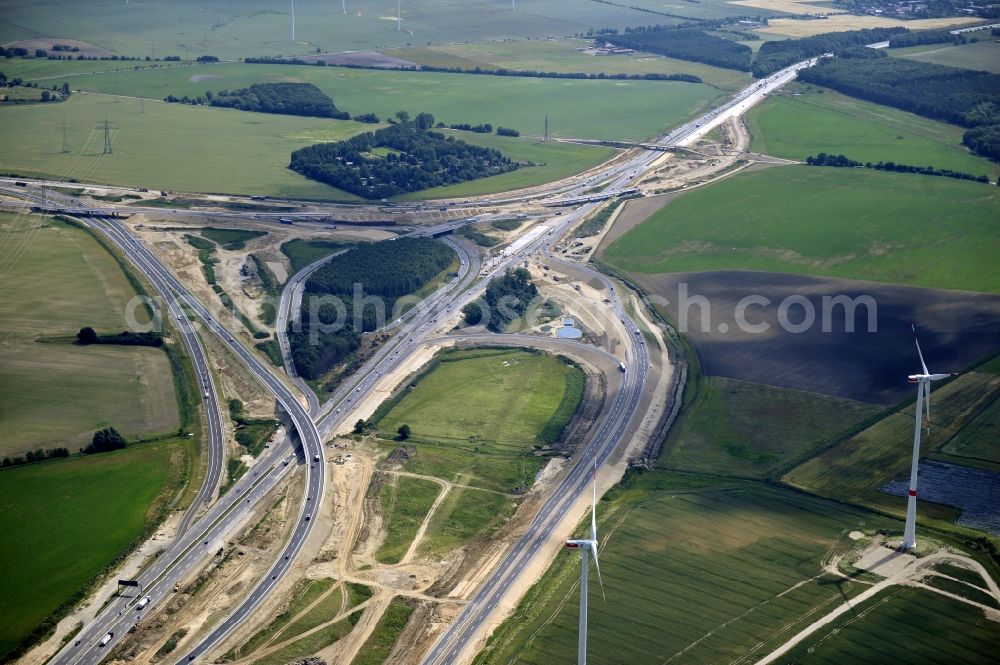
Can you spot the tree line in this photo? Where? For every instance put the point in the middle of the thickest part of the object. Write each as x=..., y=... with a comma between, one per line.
x=774, y=56
x=104, y=441
x=502, y=71
x=824, y=159
x=88, y=335
x=687, y=44
x=35, y=456
x=506, y=299
x=303, y=99
x=416, y=159
x=389, y=269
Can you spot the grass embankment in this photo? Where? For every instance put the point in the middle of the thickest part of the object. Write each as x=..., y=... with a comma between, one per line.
x=301, y=252
x=805, y=120
x=231, y=239
x=310, y=604
x=744, y=429
x=379, y=645
x=479, y=416
x=576, y=108
x=853, y=469
x=404, y=502
x=885, y=227
x=63, y=521
x=696, y=570
x=58, y=279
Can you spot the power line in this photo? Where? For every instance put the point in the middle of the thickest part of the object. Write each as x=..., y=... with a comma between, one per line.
x=107, y=137
x=65, y=142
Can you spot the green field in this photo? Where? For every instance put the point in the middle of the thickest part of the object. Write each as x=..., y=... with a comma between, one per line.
x=63, y=521
x=257, y=27
x=301, y=252
x=745, y=429
x=695, y=571
x=551, y=161
x=859, y=224
x=404, y=502
x=984, y=56
x=978, y=439
x=477, y=416
x=904, y=625
x=855, y=468
x=561, y=55
x=166, y=146
x=625, y=110
x=805, y=120
x=58, y=279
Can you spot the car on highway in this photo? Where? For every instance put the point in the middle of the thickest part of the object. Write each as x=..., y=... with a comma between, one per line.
x=308, y=516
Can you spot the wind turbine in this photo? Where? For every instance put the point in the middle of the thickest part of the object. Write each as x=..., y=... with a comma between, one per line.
x=293, y=21
x=923, y=382
x=587, y=547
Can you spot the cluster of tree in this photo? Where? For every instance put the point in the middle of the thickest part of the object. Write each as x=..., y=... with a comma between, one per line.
x=984, y=140
x=370, y=118
x=919, y=37
x=505, y=131
x=287, y=98
x=417, y=159
x=687, y=44
x=207, y=58
x=960, y=96
x=88, y=335
x=303, y=99
x=65, y=47
x=506, y=299
x=484, y=128
x=389, y=269
x=35, y=456
x=774, y=56
x=104, y=441
x=475, y=235
x=823, y=159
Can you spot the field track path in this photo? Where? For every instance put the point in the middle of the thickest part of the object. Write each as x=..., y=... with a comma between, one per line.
x=908, y=572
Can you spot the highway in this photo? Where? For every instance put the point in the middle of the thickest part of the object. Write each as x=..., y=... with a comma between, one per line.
x=195, y=545
x=158, y=578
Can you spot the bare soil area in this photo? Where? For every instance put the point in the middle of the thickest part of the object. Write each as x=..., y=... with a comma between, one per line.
x=956, y=329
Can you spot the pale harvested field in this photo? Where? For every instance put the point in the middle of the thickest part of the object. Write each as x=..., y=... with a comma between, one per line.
x=779, y=28
x=57, y=279
x=789, y=6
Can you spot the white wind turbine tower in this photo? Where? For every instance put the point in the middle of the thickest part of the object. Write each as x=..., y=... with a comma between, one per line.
x=293, y=20
x=587, y=547
x=923, y=382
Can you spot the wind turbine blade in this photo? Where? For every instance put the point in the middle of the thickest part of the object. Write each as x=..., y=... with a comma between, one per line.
x=926, y=387
x=593, y=511
x=597, y=565
x=919, y=352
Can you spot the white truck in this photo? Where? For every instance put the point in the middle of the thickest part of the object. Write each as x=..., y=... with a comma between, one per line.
x=104, y=640
x=142, y=603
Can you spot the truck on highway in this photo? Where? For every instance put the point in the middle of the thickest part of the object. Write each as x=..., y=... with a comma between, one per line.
x=143, y=603
x=104, y=640
x=285, y=220
x=316, y=458
x=206, y=394
x=621, y=366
